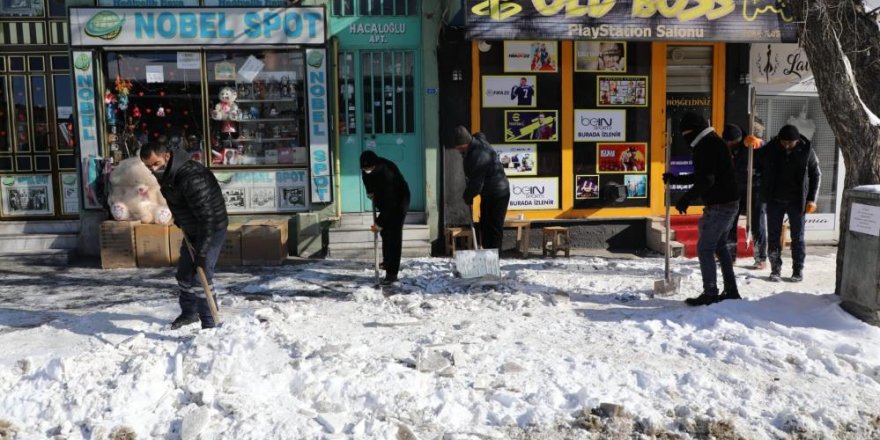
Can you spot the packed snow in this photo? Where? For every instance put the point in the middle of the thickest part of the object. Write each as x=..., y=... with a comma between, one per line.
x=559, y=348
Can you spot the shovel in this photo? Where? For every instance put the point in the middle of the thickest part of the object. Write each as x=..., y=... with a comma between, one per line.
x=671, y=283
x=375, y=247
x=478, y=262
x=204, y=280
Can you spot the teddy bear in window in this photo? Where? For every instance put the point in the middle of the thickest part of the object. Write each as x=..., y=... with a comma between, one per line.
x=226, y=109
x=135, y=194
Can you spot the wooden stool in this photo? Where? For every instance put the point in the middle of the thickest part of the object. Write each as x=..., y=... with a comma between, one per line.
x=556, y=239
x=523, y=231
x=453, y=234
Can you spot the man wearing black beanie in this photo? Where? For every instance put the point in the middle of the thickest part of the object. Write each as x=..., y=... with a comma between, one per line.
x=486, y=178
x=713, y=180
x=389, y=192
x=790, y=184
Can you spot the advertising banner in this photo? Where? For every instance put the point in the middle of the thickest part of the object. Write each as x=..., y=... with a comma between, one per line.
x=319, y=139
x=27, y=195
x=600, y=56
x=631, y=20
x=776, y=68
x=531, y=125
x=629, y=157
x=586, y=187
x=518, y=160
x=69, y=194
x=509, y=91
x=104, y=27
x=531, y=56
x=677, y=104
x=599, y=125
x=531, y=193
x=264, y=191
x=622, y=91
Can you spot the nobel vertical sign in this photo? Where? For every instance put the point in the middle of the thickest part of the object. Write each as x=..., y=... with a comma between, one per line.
x=633, y=20
x=207, y=27
x=319, y=139
x=86, y=115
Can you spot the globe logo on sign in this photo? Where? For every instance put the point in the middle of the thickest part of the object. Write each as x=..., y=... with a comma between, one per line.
x=105, y=25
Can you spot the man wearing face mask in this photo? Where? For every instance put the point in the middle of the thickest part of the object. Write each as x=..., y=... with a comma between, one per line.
x=199, y=210
x=389, y=192
x=790, y=183
x=714, y=181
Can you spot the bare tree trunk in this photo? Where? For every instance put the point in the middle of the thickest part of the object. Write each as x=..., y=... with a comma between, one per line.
x=827, y=27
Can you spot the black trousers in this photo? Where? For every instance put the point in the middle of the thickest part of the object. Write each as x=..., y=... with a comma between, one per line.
x=492, y=213
x=392, y=242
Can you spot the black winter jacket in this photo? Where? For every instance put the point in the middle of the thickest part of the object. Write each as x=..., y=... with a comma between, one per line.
x=389, y=189
x=807, y=170
x=741, y=165
x=195, y=200
x=713, y=176
x=484, y=173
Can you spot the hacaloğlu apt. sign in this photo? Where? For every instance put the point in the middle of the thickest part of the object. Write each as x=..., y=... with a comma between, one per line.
x=631, y=20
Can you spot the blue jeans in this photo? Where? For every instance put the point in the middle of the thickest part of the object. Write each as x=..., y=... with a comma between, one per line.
x=776, y=210
x=714, y=226
x=758, y=229
x=192, y=299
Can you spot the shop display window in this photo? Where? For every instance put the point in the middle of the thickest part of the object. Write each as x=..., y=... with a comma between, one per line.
x=153, y=97
x=64, y=112
x=22, y=8
x=256, y=108
x=20, y=114
x=5, y=142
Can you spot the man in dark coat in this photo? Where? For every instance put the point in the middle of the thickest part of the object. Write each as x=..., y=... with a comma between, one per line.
x=790, y=184
x=485, y=177
x=389, y=192
x=733, y=136
x=713, y=180
x=199, y=210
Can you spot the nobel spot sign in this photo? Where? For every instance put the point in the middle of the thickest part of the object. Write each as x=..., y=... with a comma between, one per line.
x=196, y=26
x=631, y=20
x=319, y=160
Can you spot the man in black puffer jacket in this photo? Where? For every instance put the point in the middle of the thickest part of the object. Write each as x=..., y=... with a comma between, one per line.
x=195, y=200
x=389, y=192
x=486, y=178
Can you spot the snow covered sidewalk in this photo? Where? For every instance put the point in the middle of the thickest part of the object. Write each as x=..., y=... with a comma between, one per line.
x=564, y=348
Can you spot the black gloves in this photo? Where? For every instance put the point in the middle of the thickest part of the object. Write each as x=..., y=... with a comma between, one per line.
x=682, y=205
x=468, y=201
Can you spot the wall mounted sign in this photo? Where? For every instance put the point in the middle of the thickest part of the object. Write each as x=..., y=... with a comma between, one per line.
x=196, y=27
x=264, y=191
x=622, y=91
x=319, y=139
x=531, y=193
x=69, y=193
x=599, y=125
x=518, y=160
x=630, y=157
x=779, y=68
x=531, y=126
x=631, y=20
x=636, y=186
x=586, y=187
x=531, y=56
x=27, y=195
x=509, y=91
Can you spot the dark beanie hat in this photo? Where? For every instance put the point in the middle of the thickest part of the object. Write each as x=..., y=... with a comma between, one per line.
x=732, y=133
x=789, y=133
x=692, y=121
x=368, y=159
x=461, y=136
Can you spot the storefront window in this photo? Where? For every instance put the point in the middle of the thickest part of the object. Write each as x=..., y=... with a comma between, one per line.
x=347, y=106
x=64, y=112
x=21, y=8
x=40, y=108
x=153, y=97
x=20, y=114
x=256, y=108
x=388, y=90
x=5, y=143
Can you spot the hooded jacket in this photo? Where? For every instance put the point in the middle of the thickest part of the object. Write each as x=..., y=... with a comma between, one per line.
x=484, y=173
x=713, y=178
x=807, y=173
x=390, y=190
x=195, y=200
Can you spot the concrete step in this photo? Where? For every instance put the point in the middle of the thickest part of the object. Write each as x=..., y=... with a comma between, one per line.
x=366, y=219
x=369, y=245
x=351, y=251
x=362, y=234
x=17, y=243
x=39, y=227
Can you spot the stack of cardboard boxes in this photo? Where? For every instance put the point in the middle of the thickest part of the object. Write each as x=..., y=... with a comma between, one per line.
x=126, y=244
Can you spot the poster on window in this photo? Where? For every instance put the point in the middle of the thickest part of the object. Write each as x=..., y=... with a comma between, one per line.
x=622, y=157
x=509, y=91
x=531, y=126
x=636, y=185
x=622, y=91
x=518, y=160
x=586, y=187
x=532, y=193
x=599, y=125
x=69, y=196
x=26, y=195
x=530, y=56
x=264, y=191
x=600, y=56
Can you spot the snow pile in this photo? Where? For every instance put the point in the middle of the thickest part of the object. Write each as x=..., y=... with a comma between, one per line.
x=557, y=346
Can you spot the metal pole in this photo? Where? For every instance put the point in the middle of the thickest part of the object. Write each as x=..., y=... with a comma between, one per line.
x=753, y=104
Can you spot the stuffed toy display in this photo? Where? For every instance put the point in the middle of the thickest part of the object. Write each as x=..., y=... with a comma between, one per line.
x=226, y=109
x=135, y=195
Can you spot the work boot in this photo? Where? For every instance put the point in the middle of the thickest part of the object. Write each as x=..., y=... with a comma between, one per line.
x=797, y=276
x=774, y=276
x=729, y=294
x=389, y=280
x=704, y=299
x=759, y=265
x=183, y=320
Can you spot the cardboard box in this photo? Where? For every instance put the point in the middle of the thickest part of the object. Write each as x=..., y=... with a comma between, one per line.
x=230, y=255
x=117, y=244
x=151, y=244
x=263, y=242
x=175, y=240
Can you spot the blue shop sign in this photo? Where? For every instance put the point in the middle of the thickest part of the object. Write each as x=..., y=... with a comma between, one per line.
x=196, y=26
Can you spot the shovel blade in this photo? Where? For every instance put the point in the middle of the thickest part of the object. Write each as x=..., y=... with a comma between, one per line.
x=667, y=287
x=477, y=263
